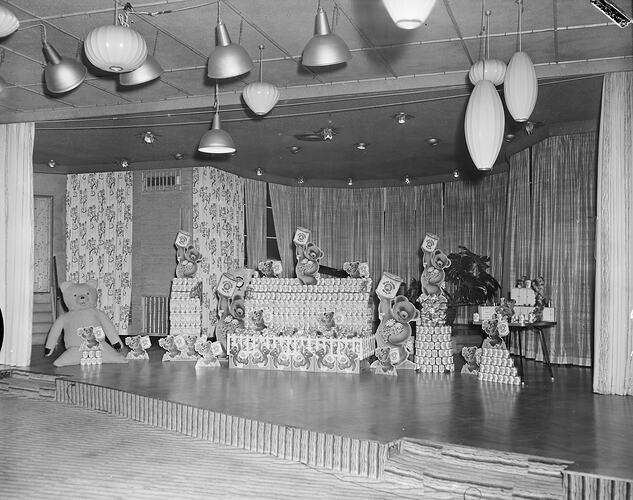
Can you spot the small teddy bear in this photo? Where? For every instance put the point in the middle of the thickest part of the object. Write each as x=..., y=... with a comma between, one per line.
x=169, y=344
x=433, y=275
x=308, y=259
x=472, y=355
x=328, y=325
x=205, y=349
x=257, y=320
x=188, y=259
x=138, y=345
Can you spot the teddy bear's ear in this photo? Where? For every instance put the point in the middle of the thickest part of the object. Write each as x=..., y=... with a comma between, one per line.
x=92, y=284
x=65, y=286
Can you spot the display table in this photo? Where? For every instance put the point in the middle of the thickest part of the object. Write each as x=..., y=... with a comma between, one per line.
x=538, y=326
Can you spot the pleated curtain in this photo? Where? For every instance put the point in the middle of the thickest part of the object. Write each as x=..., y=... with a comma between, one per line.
x=99, y=239
x=613, y=338
x=256, y=221
x=563, y=241
x=218, y=232
x=16, y=242
x=282, y=201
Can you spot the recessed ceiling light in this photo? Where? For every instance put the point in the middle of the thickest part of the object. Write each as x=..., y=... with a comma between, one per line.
x=52, y=163
x=509, y=137
x=432, y=141
x=148, y=137
x=300, y=180
x=295, y=149
x=407, y=180
x=259, y=172
x=350, y=181
x=179, y=156
x=362, y=146
x=124, y=162
x=456, y=174
x=402, y=117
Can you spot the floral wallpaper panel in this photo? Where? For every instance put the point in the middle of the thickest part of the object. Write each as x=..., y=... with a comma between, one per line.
x=42, y=222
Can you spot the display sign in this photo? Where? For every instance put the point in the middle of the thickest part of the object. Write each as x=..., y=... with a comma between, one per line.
x=429, y=244
x=388, y=286
x=302, y=236
x=227, y=286
x=183, y=239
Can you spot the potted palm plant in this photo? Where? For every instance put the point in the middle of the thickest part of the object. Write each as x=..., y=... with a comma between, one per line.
x=468, y=283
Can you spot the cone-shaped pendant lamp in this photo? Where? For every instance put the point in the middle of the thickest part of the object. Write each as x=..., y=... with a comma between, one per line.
x=484, y=125
x=146, y=72
x=324, y=48
x=260, y=96
x=216, y=141
x=61, y=74
x=521, y=85
x=228, y=59
x=8, y=22
x=409, y=14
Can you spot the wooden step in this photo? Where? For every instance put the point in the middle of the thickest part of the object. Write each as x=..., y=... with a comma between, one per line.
x=41, y=298
x=42, y=307
x=24, y=384
x=42, y=317
x=39, y=338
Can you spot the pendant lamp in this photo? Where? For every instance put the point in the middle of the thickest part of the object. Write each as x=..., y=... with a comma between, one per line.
x=492, y=70
x=260, y=96
x=484, y=125
x=114, y=48
x=324, y=48
x=520, y=86
x=61, y=74
x=8, y=22
x=146, y=72
x=228, y=60
x=409, y=14
x=216, y=141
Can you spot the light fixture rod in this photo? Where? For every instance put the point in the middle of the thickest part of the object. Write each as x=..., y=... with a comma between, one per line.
x=520, y=4
x=261, y=56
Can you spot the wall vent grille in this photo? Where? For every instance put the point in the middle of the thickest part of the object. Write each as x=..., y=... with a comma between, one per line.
x=161, y=180
x=155, y=315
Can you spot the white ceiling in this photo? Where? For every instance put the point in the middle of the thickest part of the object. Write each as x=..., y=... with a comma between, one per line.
x=420, y=72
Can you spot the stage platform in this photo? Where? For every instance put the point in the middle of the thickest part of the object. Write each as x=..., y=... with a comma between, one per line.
x=545, y=426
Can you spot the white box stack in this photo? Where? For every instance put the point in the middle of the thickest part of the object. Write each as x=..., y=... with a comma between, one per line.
x=496, y=365
x=185, y=311
x=433, y=342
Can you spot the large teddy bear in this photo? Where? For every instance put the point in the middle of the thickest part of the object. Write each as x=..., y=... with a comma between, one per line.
x=392, y=336
x=81, y=300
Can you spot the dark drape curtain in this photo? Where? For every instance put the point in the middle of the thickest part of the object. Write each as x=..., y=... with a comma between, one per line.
x=255, y=204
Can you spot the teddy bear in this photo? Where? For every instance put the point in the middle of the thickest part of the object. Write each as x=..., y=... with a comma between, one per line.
x=270, y=268
x=188, y=259
x=231, y=311
x=308, y=258
x=392, y=335
x=81, y=300
x=257, y=320
x=472, y=355
x=328, y=325
x=169, y=344
x=205, y=349
x=137, y=344
x=433, y=275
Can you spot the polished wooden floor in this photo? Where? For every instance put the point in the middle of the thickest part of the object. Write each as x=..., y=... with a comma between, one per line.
x=560, y=419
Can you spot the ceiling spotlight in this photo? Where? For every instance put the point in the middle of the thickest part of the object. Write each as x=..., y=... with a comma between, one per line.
x=509, y=137
x=259, y=172
x=362, y=146
x=456, y=174
x=350, y=181
x=612, y=12
x=402, y=118
x=432, y=141
x=295, y=149
x=301, y=180
x=51, y=163
x=407, y=180
x=178, y=156
x=148, y=137
x=124, y=162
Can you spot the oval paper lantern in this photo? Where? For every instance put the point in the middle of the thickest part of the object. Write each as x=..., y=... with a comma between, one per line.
x=8, y=22
x=520, y=87
x=261, y=97
x=484, y=125
x=492, y=70
x=409, y=14
x=115, y=48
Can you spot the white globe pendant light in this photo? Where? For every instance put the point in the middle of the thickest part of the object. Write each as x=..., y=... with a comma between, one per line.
x=409, y=14
x=8, y=22
x=260, y=96
x=484, y=125
x=492, y=70
x=521, y=85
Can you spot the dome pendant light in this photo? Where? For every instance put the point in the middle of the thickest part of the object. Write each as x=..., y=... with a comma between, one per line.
x=228, y=60
x=261, y=97
x=521, y=85
x=8, y=22
x=324, y=48
x=489, y=69
x=114, y=48
x=61, y=74
x=409, y=14
x=148, y=71
x=216, y=141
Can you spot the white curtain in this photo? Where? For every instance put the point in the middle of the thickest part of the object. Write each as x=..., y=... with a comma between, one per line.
x=16, y=241
x=99, y=239
x=613, y=326
x=218, y=232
